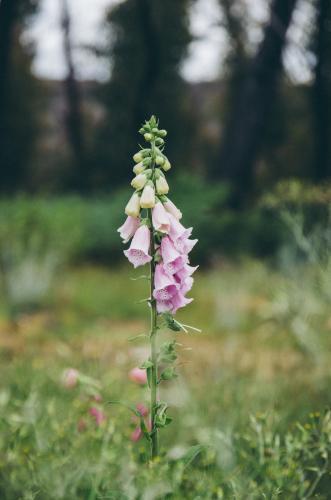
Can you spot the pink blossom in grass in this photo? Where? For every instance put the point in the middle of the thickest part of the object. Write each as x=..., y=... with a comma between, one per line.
x=138, y=254
x=136, y=434
x=70, y=378
x=172, y=259
x=98, y=415
x=164, y=284
x=138, y=376
x=160, y=218
x=172, y=209
x=128, y=229
x=142, y=409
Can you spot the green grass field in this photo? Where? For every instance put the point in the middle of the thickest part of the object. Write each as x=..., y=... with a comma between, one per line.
x=252, y=396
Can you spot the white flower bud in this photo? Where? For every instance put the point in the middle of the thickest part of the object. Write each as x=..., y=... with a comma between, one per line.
x=139, y=168
x=133, y=206
x=159, y=160
x=166, y=165
x=147, y=199
x=138, y=157
x=162, y=185
x=139, y=181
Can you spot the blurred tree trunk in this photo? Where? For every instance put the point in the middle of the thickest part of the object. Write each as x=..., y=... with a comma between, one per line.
x=243, y=134
x=322, y=92
x=73, y=113
x=8, y=9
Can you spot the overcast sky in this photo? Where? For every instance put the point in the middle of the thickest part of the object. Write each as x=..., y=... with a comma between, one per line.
x=205, y=53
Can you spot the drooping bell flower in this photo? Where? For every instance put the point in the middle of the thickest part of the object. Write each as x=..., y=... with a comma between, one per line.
x=185, y=271
x=139, y=168
x=147, y=199
x=128, y=229
x=186, y=284
x=160, y=218
x=172, y=305
x=133, y=206
x=172, y=259
x=138, y=253
x=185, y=245
x=172, y=209
x=139, y=181
x=162, y=186
x=179, y=301
x=165, y=286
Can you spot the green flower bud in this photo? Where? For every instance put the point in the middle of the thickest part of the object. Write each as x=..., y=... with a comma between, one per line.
x=166, y=165
x=139, y=168
x=148, y=137
x=147, y=162
x=141, y=130
x=155, y=130
x=158, y=173
x=159, y=160
x=138, y=157
x=159, y=141
x=162, y=133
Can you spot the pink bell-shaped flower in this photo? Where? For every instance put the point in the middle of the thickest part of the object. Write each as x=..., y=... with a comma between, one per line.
x=128, y=229
x=165, y=286
x=138, y=254
x=172, y=209
x=179, y=301
x=160, y=218
x=172, y=259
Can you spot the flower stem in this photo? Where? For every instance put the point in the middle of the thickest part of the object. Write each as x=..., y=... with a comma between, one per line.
x=153, y=332
x=154, y=370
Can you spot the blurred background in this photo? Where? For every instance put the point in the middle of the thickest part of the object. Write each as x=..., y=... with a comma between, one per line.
x=243, y=88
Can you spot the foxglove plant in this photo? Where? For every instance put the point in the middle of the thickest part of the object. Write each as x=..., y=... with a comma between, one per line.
x=159, y=239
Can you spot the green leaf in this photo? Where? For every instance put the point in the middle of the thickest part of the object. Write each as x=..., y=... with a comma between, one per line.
x=168, y=374
x=168, y=352
x=191, y=454
x=146, y=364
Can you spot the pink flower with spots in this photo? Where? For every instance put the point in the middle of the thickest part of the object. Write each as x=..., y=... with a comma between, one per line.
x=165, y=286
x=138, y=253
x=173, y=261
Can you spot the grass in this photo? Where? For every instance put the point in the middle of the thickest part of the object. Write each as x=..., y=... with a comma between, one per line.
x=252, y=395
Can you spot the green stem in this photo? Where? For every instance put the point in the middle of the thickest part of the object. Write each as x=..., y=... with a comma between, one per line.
x=153, y=332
